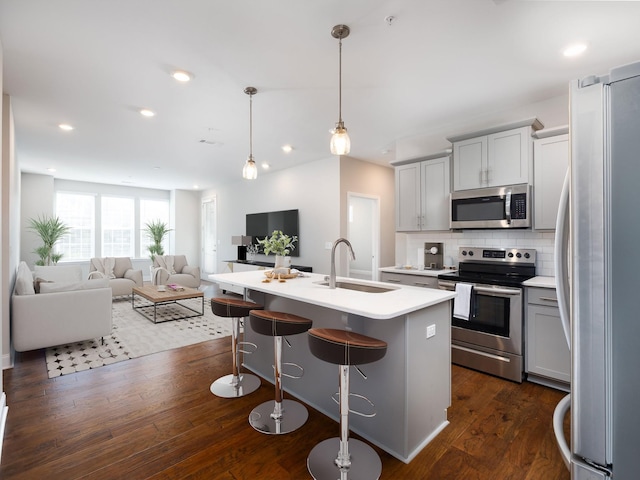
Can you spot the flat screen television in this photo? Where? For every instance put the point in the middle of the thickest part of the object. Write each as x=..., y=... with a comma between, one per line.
x=260, y=225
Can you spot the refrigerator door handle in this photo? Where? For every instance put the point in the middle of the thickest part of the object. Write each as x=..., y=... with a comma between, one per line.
x=561, y=258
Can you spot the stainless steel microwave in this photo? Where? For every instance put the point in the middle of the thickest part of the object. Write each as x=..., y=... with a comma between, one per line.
x=492, y=207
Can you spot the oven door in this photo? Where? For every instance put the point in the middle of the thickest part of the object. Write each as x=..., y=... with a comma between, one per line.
x=495, y=319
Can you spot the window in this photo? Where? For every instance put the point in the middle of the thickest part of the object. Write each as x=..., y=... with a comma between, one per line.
x=108, y=224
x=150, y=211
x=77, y=211
x=118, y=232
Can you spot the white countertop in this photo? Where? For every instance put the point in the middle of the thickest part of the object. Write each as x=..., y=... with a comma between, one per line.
x=415, y=271
x=545, y=282
x=381, y=306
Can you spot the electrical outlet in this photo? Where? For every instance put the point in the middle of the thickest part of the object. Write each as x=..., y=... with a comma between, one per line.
x=431, y=331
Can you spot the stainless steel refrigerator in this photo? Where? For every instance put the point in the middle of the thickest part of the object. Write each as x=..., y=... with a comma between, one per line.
x=598, y=272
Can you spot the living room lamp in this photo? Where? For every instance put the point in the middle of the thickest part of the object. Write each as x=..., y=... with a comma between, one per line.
x=250, y=171
x=340, y=143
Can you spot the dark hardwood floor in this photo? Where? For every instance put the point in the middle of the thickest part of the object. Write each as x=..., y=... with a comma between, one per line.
x=154, y=417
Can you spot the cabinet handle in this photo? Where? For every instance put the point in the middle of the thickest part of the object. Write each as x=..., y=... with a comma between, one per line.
x=418, y=284
x=392, y=280
x=488, y=172
x=548, y=299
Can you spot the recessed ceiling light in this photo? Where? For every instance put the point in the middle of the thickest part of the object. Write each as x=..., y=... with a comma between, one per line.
x=265, y=165
x=574, y=50
x=66, y=127
x=287, y=148
x=181, y=76
x=195, y=187
x=51, y=169
x=147, y=113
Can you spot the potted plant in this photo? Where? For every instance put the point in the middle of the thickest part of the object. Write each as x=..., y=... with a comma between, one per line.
x=156, y=230
x=281, y=245
x=50, y=230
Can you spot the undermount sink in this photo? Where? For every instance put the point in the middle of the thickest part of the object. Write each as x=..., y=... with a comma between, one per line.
x=361, y=287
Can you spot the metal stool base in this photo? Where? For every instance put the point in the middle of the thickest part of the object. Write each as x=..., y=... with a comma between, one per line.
x=294, y=415
x=365, y=462
x=224, y=388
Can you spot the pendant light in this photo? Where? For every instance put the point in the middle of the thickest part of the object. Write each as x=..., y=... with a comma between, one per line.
x=250, y=171
x=340, y=143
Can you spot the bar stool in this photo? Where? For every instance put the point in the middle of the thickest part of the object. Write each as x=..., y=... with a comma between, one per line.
x=339, y=457
x=235, y=384
x=282, y=415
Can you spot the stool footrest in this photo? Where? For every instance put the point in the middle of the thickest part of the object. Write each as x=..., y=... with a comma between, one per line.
x=289, y=375
x=250, y=344
x=356, y=412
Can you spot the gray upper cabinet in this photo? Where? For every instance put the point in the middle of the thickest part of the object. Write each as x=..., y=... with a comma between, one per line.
x=494, y=157
x=550, y=162
x=422, y=194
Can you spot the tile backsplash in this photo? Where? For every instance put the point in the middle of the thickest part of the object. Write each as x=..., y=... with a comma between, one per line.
x=407, y=244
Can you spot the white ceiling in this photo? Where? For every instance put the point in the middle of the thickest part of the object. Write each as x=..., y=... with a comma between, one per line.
x=95, y=63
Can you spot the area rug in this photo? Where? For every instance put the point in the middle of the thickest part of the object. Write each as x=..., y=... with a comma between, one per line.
x=134, y=336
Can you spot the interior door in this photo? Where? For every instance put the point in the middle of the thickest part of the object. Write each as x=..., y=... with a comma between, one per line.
x=209, y=252
x=363, y=231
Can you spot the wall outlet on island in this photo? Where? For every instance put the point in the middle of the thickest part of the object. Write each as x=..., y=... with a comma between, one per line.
x=328, y=245
x=431, y=331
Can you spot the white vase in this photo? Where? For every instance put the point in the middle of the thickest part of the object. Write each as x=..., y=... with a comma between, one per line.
x=282, y=265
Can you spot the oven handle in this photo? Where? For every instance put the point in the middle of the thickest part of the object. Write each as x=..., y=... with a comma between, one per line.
x=499, y=291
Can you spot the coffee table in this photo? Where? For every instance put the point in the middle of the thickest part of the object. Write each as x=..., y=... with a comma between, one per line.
x=147, y=300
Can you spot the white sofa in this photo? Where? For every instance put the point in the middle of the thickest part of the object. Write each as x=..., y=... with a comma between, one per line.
x=120, y=273
x=174, y=269
x=66, y=309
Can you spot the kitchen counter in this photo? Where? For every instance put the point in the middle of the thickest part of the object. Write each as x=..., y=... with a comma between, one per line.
x=415, y=271
x=399, y=300
x=410, y=386
x=544, y=282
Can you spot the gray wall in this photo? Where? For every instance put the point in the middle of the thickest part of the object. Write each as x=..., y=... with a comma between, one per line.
x=312, y=188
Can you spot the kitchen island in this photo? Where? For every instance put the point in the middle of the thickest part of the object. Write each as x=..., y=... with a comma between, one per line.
x=410, y=386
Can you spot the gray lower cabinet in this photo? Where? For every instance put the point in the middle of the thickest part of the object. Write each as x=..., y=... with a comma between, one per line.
x=410, y=279
x=547, y=356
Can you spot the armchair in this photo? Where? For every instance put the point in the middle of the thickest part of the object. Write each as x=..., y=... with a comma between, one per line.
x=174, y=269
x=119, y=270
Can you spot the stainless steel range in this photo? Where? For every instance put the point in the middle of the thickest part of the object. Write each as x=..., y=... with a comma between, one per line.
x=491, y=339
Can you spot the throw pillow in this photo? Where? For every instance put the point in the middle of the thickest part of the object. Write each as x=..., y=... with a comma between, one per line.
x=24, y=280
x=39, y=281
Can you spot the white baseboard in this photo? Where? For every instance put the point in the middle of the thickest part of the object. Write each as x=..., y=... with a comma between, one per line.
x=3, y=419
x=7, y=361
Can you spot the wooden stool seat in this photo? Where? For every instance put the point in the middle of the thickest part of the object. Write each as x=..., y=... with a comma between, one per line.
x=266, y=322
x=232, y=307
x=342, y=347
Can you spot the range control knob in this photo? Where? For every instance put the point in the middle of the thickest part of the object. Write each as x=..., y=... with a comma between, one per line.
x=471, y=253
x=510, y=254
x=464, y=253
x=526, y=255
x=519, y=255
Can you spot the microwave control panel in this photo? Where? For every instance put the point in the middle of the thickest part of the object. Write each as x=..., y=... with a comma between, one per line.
x=519, y=206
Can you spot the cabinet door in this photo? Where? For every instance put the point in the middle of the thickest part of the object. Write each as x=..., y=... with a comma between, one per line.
x=469, y=163
x=435, y=194
x=546, y=347
x=508, y=157
x=408, y=197
x=550, y=162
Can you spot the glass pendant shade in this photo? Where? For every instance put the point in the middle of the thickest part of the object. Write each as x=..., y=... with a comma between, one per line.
x=340, y=142
x=250, y=171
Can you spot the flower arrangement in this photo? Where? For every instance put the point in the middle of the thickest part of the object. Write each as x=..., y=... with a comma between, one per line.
x=278, y=243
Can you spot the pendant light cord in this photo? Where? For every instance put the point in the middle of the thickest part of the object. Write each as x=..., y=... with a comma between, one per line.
x=340, y=82
x=251, y=126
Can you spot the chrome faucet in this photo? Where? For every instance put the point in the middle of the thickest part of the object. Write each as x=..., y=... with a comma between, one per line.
x=332, y=277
